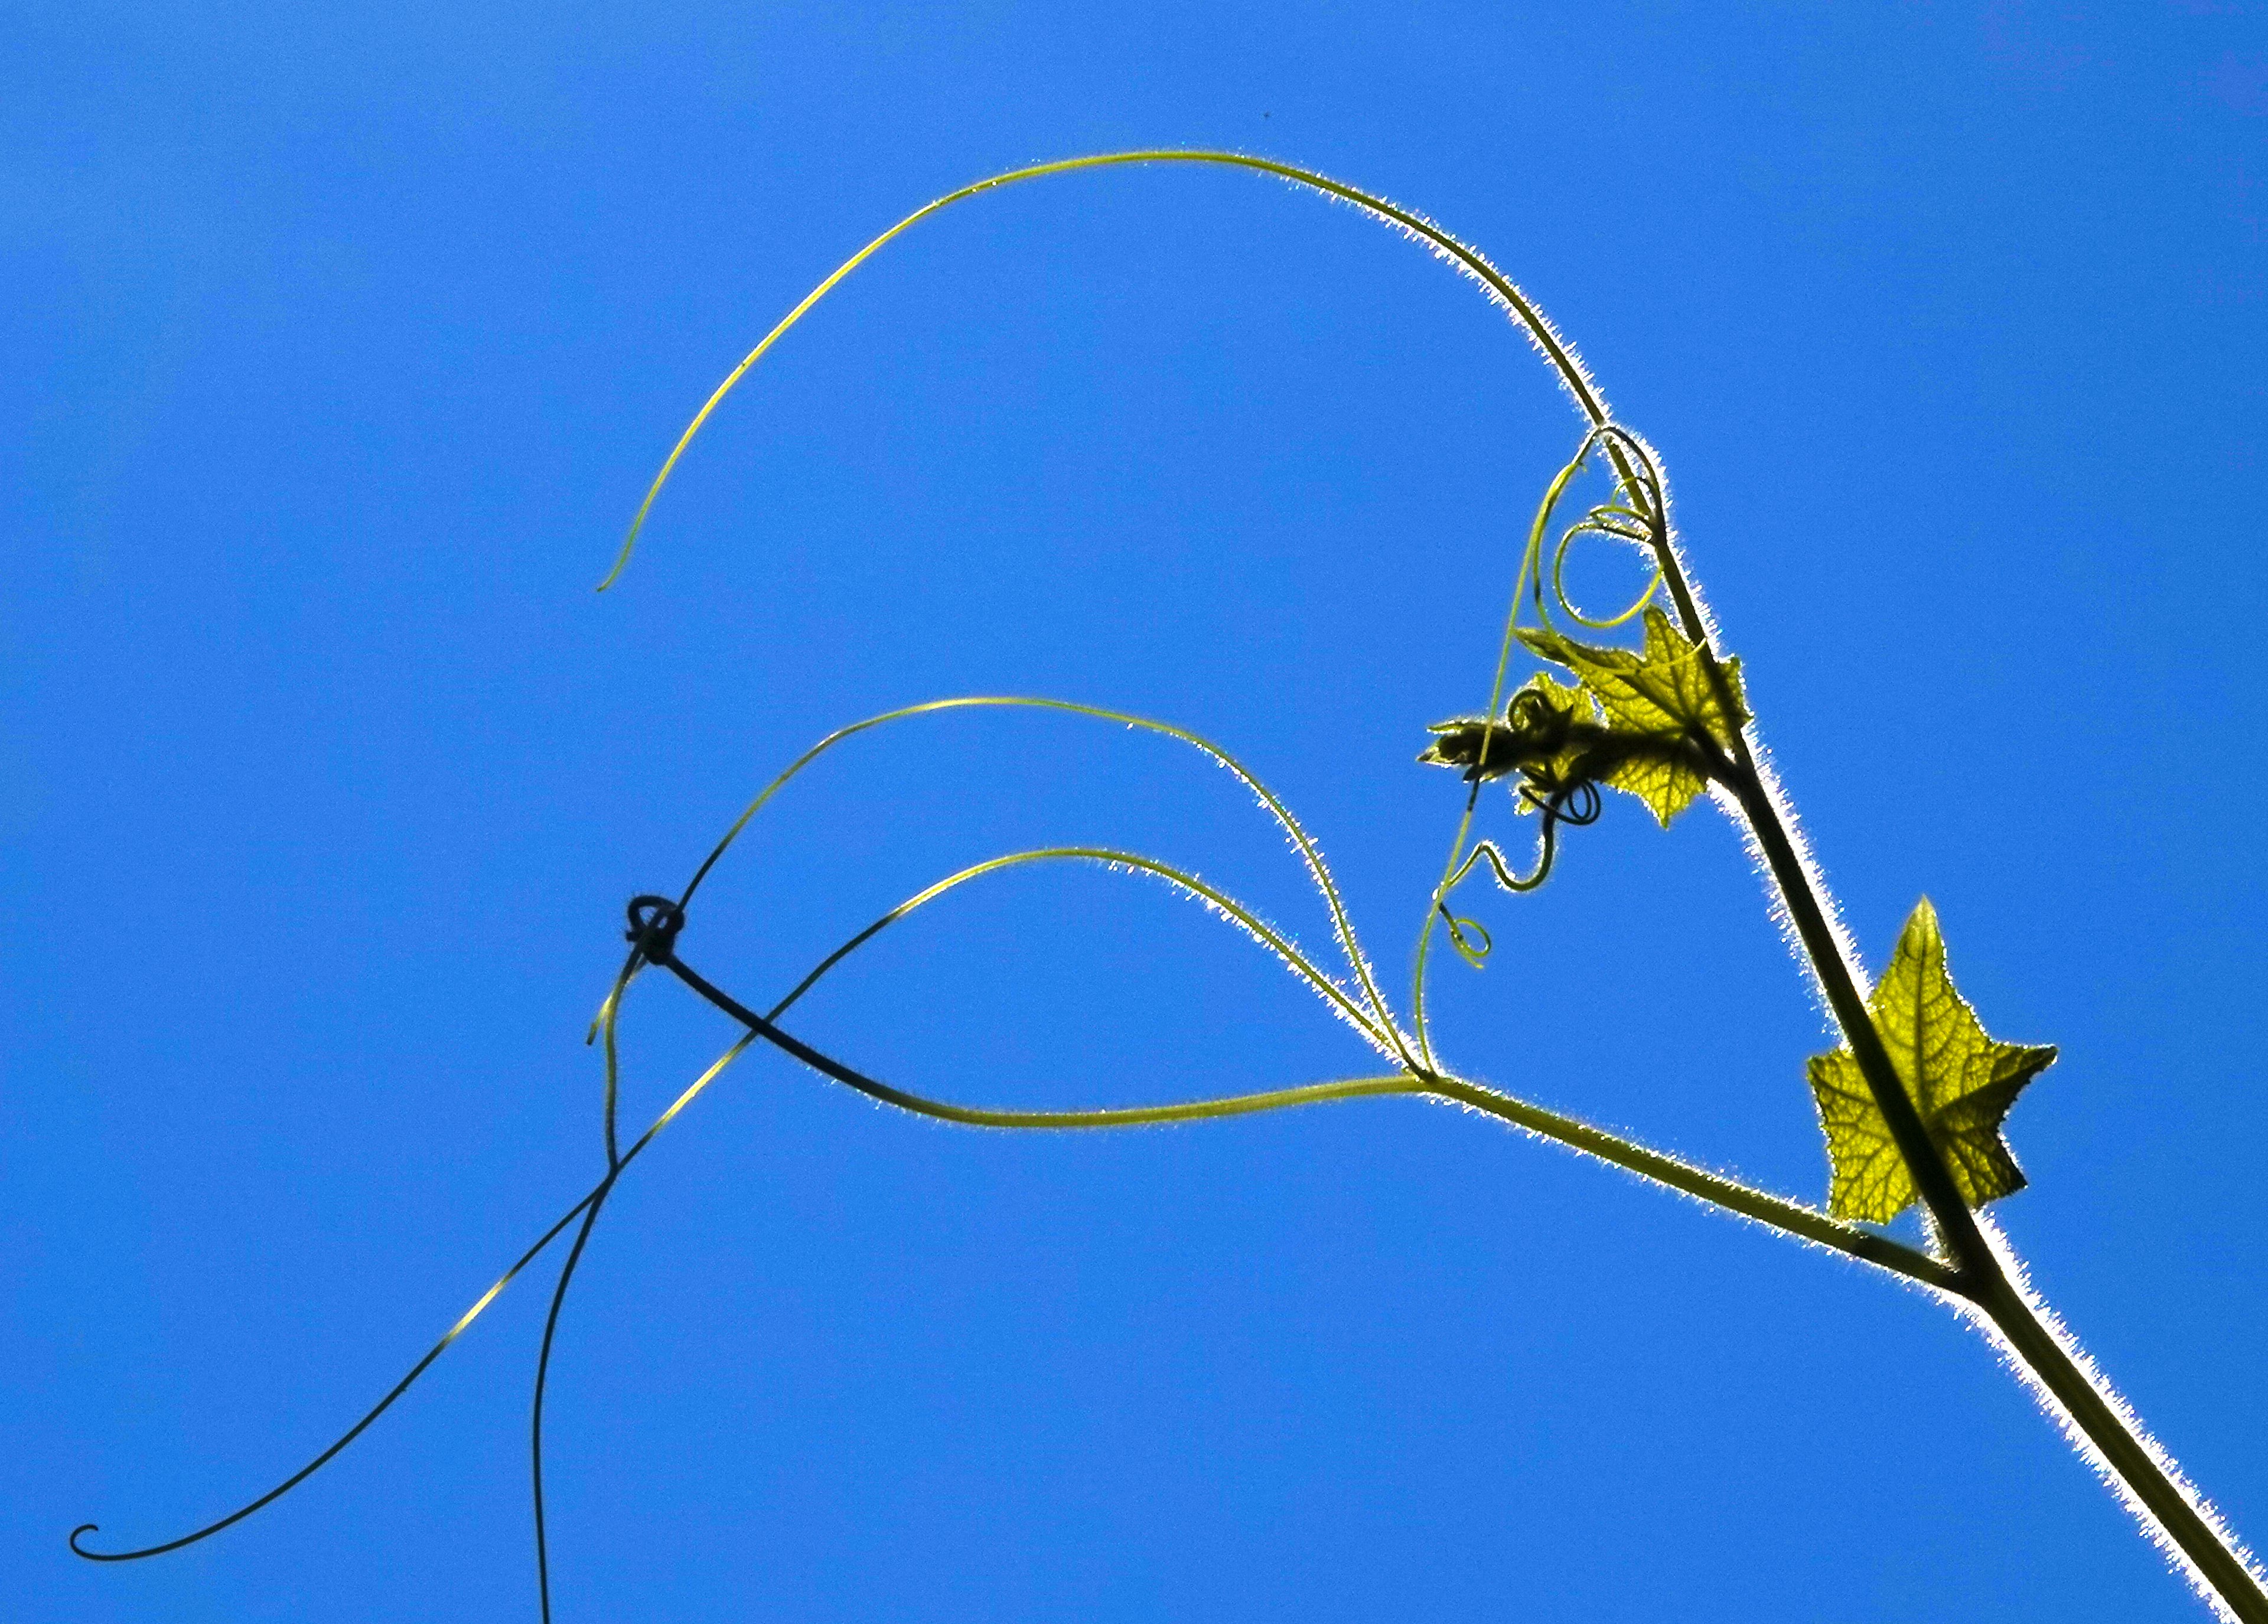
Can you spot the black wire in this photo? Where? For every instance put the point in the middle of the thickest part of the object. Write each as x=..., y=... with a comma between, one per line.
x=542, y=1378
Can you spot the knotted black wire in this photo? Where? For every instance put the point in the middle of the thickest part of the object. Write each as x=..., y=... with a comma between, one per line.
x=655, y=921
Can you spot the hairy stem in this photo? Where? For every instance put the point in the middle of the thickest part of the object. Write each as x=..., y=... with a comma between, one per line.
x=1790, y=1217
x=1955, y=1225
x=2145, y=1479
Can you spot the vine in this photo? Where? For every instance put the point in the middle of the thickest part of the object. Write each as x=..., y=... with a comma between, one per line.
x=1911, y=1104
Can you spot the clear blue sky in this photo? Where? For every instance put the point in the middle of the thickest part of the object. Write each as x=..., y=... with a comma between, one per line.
x=342, y=341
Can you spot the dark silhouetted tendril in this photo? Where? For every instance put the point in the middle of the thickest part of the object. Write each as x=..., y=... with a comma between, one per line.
x=1575, y=804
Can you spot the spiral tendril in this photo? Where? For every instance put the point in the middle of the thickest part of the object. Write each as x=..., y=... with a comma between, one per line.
x=1638, y=514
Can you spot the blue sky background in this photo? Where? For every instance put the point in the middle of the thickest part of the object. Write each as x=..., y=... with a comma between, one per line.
x=343, y=342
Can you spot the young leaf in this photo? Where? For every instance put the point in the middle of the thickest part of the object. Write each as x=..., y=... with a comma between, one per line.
x=1655, y=701
x=1664, y=779
x=1962, y=1081
x=1665, y=689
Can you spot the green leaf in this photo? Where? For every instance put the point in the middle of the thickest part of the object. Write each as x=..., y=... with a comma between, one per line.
x=1961, y=1080
x=1666, y=781
x=1654, y=700
x=1664, y=690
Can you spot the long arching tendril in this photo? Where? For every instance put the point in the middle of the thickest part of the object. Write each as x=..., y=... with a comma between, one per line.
x=1311, y=854
x=1500, y=288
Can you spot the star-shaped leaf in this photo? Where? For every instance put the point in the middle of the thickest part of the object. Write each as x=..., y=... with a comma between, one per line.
x=1656, y=699
x=1665, y=688
x=1961, y=1080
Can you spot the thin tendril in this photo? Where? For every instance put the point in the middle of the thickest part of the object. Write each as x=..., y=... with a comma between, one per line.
x=1530, y=570
x=604, y=1025
x=1505, y=878
x=1311, y=854
x=351, y=1433
x=1555, y=811
x=1555, y=349
x=1462, y=931
x=609, y=1020
x=1213, y=898
x=1639, y=476
x=1643, y=482
x=1592, y=527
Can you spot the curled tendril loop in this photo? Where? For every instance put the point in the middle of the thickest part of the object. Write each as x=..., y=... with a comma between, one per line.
x=1527, y=714
x=1576, y=804
x=1638, y=515
x=1461, y=931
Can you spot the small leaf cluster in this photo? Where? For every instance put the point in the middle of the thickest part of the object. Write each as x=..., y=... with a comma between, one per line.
x=1656, y=723
x=1661, y=722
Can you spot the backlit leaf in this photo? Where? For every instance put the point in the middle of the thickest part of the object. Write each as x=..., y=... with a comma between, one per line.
x=1656, y=703
x=1665, y=688
x=1961, y=1080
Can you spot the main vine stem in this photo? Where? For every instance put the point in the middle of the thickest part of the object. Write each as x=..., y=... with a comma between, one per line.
x=1983, y=1278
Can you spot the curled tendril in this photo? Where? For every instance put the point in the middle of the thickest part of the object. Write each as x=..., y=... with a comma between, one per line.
x=1461, y=932
x=1529, y=712
x=1343, y=1001
x=1640, y=518
x=1575, y=804
x=1638, y=514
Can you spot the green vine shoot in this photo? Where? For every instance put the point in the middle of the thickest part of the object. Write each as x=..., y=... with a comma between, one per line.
x=1645, y=702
